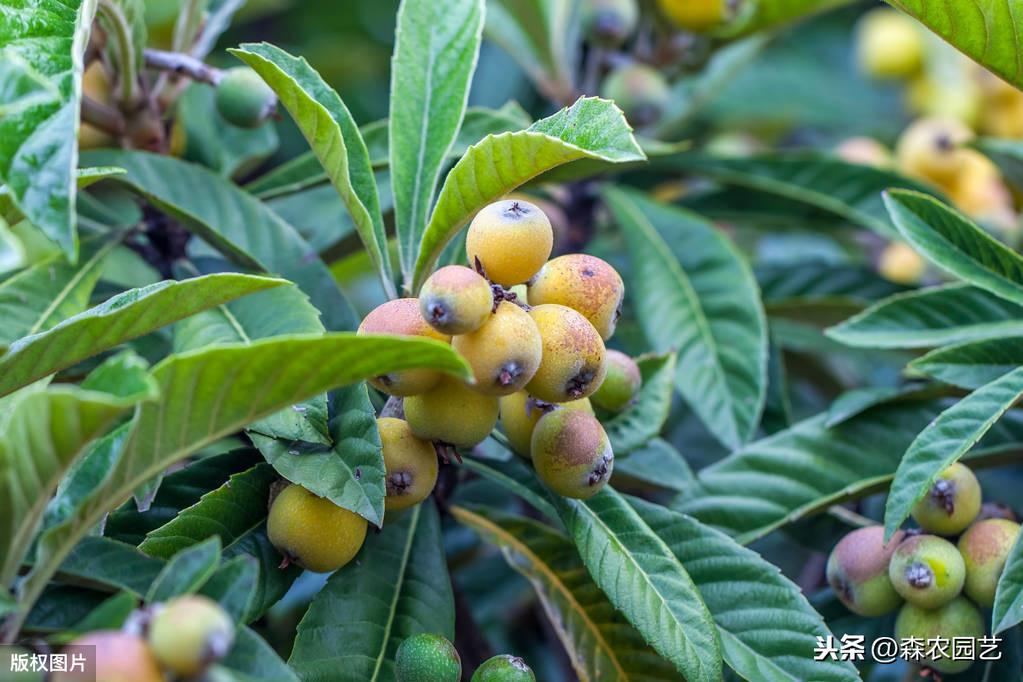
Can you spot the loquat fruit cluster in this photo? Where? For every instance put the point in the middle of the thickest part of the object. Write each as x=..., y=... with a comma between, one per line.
x=430, y=657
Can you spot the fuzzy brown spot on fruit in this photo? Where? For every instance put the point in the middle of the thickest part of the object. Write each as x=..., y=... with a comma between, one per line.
x=410, y=464
x=573, y=362
x=520, y=413
x=584, y=283
x=504, y=353
x=401, y=317
x=189, y=633
x=952, y=503
x=314, y=532
x=120, y=657
x=956, y=619
x=985, y=547
x=621, y=384
x=857, y=570
x=927, y=571
x=511, y=239
x=640, y=90
x=453, y=413
x=571, y=453
x=456, y=300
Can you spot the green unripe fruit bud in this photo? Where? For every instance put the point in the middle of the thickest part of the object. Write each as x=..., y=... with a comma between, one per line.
x=189, y=633
x=586, y=284
x=952, y=503
x=401, y=317
x=504, y=668
x=927, y=571
x=456, y=300
x=520, y=413
x=985, y=546
x=244, y=99
x=571, y=453
x=858, y=572
x=609, y=22
x=511, y=240
x=120, y=657
x=314, y=532
x=504, y=353
x=640, y=91
x=956, y=619
x=427, y=658
x=452, y=413
x=621, y=385
x=574, y=360
x=410, y=463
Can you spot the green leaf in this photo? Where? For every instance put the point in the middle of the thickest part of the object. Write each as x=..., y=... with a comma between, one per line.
x=946, y=238
x=233, y=586
x=111, y=564
x=936, y=316
x=398, y=586
x=644, y=580
x=656, y=464
x=186, y=572
x=543, y=37
x=110, y=615
x=204, y=397
x=767, y=627
x=39, y=143
x=643, y=420
x=971, y=365
x=813, y=280
x=329, y=128
x=700, y=298
x=599, y=641
x=49, y=291
x=42, y=433
x=256, y=660
x=513, y=475
x=1008, y=608
x=945, y=440
x=121, y=318
x=435, y=53
x=760, y=15
x=851, y=192
x=592, y=128
x=234, y=222
x=984, y=31
x=1007, y=155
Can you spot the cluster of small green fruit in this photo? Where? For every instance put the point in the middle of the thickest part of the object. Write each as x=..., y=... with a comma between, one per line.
x=432, y=658
x=180, y=638
x=941, y=584
x=532, y=330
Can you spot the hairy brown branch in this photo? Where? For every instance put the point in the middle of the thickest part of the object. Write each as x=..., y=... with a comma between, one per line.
x=182, y=64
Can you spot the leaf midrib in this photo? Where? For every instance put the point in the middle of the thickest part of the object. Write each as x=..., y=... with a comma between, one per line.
x=398, y=588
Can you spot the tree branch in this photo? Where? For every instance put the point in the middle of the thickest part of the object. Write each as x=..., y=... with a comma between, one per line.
x=181, y=64
x=107, y=119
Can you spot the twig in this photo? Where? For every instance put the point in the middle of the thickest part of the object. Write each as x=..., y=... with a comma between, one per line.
x=850, y=517
x=182, y=64
x=107, y=119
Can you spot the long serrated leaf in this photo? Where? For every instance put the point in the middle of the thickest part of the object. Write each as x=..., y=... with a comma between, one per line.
x=1008, y=608
x=121, y=318
x=435, y=53
x=397, y=587
x=645, y=581
x=334, y=137
x=701, y=300
x=971, y=365
x=38, y=143
x=643, y=420
x=592, y=128
x=945, y=440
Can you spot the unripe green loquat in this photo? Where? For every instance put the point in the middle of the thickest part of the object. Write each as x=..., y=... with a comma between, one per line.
x=410, y=463
x=927, y=571
x=504, y=668
x=452, y=413
x=401, y=317
x=956, y=619
x=120, y=657
x=857, y=571
x=609, y=22
x=640, y=90
x=574, y=360
x=456, y=300
x=189, y=633
x=244, y=99
x=511, y=240
x=621, y=384
x=427, y=658
x=951, y=504
x=572, y=453
x=584, y=283
x=985, y=547
x=314, y=532
x=504, y=353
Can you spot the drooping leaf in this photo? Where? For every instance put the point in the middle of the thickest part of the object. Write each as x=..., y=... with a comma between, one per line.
x=644, y=580
x=984, y=31
x=435, y=53
x=397, y=586
x=643, y=420
x=256, y=660
x=329, y=128
x=591, y=128
x=700, y=298
x=121, y=318
x=514, y=476
x=234, y=222
x=1008, y=608
x=948, y=239
x=600, y=643
x=657, y=464
x=38, y=142
x=944, y=441
x=111, y=564
x=186, y=571
x=972, y=364
x=936, y=316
